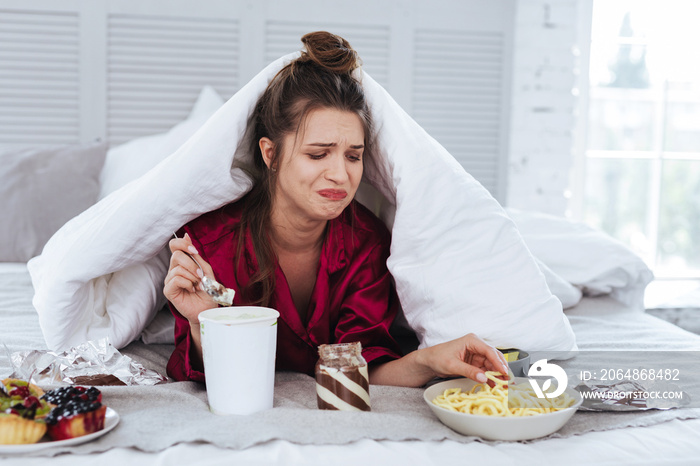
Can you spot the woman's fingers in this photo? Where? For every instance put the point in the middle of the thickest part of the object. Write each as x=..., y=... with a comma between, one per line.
x=193, y=252
x=183, y=282
x=185, y=247
x=180, y=259
x=178, y=270
x=176, y=284
x=180, y=244
x=468, y=356
x=492, y=358
x=472, y=372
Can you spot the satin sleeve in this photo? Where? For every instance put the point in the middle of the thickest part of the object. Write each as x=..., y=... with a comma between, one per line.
x=180, y=363
x=369, y=308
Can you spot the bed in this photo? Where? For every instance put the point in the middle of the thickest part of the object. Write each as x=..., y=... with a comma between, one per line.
x=170, y=423
x=103, y=122
x=599, y=322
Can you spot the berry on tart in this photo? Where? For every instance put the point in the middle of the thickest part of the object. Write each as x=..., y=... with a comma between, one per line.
x=78, y=411
x=19, y=389
x=22, y=412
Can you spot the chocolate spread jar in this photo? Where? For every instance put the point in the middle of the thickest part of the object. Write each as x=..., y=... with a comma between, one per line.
x=342, y=378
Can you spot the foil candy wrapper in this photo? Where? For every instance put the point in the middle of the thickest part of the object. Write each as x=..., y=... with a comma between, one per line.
x=94, y=362
x=629, y=395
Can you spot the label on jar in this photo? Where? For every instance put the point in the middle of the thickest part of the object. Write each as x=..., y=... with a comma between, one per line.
x=342, y=378
x=344, y=389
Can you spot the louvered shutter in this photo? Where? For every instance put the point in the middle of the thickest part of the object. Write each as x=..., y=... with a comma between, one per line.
x=457, y=97
x=72, y=71
x=157, y=66
x=39, y=77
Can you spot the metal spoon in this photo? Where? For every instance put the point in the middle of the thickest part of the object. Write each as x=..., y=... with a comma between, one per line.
x=220, y=294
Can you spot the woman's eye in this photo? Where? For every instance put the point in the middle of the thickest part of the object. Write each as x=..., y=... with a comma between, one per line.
x=354, y=157
x=316, y=156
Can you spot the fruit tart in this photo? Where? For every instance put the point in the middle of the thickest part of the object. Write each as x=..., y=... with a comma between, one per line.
x=22, y=412
x=77, y=411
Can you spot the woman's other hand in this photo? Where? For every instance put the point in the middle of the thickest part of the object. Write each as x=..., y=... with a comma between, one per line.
x=183, y=282
x=468, y=356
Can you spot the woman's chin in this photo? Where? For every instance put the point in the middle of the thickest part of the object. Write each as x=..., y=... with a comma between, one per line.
x=329, y=212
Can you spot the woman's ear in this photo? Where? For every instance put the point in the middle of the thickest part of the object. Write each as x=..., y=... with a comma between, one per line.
x=267, y=148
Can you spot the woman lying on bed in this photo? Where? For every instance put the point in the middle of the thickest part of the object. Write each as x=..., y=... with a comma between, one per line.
x=299, y=243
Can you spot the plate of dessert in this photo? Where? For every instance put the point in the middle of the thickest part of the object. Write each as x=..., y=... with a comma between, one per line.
x=31, y=419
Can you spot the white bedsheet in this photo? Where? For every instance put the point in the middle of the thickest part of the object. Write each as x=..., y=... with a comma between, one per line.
x=674, y=442
x=582, y=260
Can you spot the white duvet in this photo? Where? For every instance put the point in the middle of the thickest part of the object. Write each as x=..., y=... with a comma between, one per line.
x=459, y=262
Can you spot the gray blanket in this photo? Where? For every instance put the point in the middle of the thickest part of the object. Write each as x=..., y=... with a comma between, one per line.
x=157, y=417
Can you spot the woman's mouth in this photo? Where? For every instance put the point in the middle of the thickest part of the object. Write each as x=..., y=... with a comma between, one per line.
x=333, y=194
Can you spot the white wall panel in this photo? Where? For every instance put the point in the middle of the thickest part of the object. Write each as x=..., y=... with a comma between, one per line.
x=157, y=65
x=457, y=96
x=39, y=77
x=76, y=70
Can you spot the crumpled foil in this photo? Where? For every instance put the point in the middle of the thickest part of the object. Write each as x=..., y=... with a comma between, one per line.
x=629, y=395
x=94, y=362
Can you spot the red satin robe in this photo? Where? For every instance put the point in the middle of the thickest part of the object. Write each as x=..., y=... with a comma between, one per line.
x=353, y=299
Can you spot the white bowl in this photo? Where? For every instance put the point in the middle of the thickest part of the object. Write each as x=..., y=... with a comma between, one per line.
x=495, y=427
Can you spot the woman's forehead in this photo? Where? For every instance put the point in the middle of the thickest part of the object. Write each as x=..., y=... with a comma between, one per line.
x=330, y=126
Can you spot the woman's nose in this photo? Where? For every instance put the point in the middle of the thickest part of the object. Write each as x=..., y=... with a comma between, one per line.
x=336, y=170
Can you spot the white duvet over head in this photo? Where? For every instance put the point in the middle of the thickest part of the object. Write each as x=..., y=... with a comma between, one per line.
x=459, y=262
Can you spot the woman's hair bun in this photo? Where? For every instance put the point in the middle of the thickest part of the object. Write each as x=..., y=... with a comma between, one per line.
x=330, y=51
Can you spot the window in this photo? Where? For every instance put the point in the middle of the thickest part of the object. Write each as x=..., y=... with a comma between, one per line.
x=642, y=158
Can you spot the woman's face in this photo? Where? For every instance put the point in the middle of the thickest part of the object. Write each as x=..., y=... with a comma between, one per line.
x=320, y=169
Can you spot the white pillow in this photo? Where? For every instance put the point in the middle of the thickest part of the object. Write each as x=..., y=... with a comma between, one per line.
x=459, y=262
x=568, y=294
x=589, y=259
x=132, y=159
x=42, y=187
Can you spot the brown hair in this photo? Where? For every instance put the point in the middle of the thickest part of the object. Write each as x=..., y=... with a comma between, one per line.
x=320, y=78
